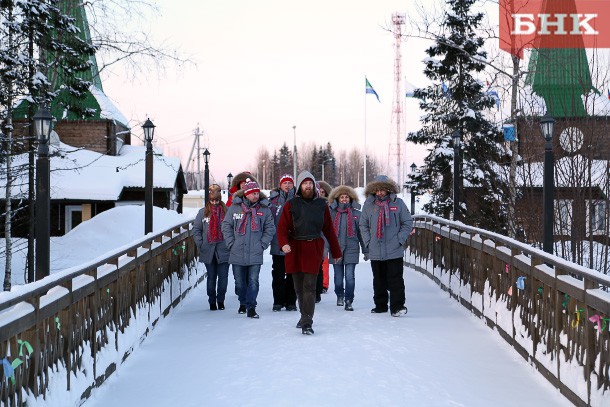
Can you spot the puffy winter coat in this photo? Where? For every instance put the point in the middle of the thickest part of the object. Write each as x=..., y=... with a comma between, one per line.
x=390, y=245
x=247, y=249
x=207, y=251
x=350, y=245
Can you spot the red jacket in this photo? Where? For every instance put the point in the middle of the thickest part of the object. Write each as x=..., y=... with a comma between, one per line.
x=305, y=255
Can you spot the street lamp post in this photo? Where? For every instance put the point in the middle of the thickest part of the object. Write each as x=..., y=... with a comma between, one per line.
x=149, y=134
x=264, y=174
x=413, y=168
x=43, y=124
x=547, y=126
x=294, y=153
x=206, y=174
x=456, y=174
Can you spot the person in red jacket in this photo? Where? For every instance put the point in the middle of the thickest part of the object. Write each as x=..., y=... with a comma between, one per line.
x=303, y=220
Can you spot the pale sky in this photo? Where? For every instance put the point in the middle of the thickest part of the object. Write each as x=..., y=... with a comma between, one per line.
x=264, y=66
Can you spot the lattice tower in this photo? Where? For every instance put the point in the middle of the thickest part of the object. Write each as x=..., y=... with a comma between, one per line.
x=396, y=133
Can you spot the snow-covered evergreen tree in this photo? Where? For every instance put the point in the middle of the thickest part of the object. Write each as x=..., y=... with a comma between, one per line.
x=457, y=101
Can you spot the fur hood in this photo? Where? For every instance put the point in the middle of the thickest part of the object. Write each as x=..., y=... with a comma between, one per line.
x=242, y=176
x=381, y=182
x=343, y=189
x=240, y=194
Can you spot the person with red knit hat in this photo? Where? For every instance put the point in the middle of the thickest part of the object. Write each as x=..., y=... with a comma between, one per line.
x=302, y=222
x=248, y=229
x=282, y=286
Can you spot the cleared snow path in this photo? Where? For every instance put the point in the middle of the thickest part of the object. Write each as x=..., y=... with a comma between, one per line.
x=438, y=355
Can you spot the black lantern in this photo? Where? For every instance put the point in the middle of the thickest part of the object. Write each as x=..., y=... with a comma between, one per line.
x=149, y=131
x=413, y=168
x=229, y=179
x=547, y=127
x=43, y=124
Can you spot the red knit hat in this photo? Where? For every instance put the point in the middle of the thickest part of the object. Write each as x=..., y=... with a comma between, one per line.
x=286, y=177
x=251, y=187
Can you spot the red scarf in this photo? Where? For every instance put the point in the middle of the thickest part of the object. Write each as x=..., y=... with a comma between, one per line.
x=351, y=224
x=214, y=232
x=384, y=212
x=251, y=213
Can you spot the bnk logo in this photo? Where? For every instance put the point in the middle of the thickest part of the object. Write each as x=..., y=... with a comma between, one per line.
x=554, y=24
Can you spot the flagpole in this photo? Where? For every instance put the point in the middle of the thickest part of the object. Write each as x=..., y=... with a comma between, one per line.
x=364, y=182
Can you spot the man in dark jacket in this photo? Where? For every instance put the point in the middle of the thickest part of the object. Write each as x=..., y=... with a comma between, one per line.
x=385, y=225
x=303, y=220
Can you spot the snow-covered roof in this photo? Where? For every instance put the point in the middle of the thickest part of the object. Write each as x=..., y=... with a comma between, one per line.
x=108, y=109
x=88, y=175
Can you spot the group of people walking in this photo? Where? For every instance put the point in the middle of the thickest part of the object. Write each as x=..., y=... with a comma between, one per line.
x=303, y=226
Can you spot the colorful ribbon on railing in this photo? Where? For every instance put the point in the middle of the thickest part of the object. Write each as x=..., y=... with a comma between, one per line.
x=576, y=321
x=412, y=232
x=183, y=248
x=27, y=345
x=57, y=323
x=541, y=290
x=437, y=238
x=601, y=322
x=521, y=282
x=507, y=268
x=566, y=299
x=8, y=369
x=510, y=290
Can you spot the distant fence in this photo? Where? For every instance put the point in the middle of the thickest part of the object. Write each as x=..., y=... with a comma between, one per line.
x=554, y=313
x=66, y=332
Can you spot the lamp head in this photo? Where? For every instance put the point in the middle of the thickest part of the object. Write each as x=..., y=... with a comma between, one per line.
x=456, y=136
x=206, y=155
x=413, y=167
x=547, y=126
x=43, y=124
x=149, y=130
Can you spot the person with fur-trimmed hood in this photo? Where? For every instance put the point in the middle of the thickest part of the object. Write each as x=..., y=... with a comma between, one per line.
x=302, y=222
x=238, y=183
x=385, y=225
x=282, y=286
x=345, y=213
x=248, y=229
x=213, y=252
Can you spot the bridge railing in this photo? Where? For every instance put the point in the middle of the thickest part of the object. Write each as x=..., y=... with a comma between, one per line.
x=553, y=312
x=67, y=331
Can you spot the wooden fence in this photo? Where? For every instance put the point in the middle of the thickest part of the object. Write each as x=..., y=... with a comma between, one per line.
x=553, y=312
x=65, y=321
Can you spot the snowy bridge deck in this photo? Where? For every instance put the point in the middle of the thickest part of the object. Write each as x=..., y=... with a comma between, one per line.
x=438, y=355
x=81, y=330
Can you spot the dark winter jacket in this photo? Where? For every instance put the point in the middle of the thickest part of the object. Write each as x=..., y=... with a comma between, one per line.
x=390, y=246
x=305, y=255
x=350, y=245
x=247, y=249
x=277, y=199
x=207, y=251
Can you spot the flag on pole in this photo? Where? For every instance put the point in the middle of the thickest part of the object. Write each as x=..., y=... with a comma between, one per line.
x=495, y=96
x=369, y=89
x=609, y=94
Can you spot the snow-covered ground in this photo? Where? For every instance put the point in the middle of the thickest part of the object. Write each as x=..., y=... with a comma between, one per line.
x=438, y=355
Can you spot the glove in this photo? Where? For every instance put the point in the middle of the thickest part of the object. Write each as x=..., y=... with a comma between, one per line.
x=366, y=257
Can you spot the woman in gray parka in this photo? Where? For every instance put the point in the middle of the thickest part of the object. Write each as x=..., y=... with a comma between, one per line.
x=345, y=213
x=213, y=251
x=248, y=229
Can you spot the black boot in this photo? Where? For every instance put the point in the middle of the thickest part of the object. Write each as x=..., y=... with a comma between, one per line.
x=221, y=305
x=379, y=310
x=348, y=305
x=307, y=330
x=213, y=306
x=252, y=313
x=242, y=309
x=340, y=302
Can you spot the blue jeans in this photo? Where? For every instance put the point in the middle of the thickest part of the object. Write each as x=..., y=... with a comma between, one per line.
x=218, y=273
x=346, y=270
x=248, y=290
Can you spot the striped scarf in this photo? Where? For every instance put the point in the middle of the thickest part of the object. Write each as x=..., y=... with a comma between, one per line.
x=384, y=212
x=248, y=212
x=214, y=232
x=351, y=224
